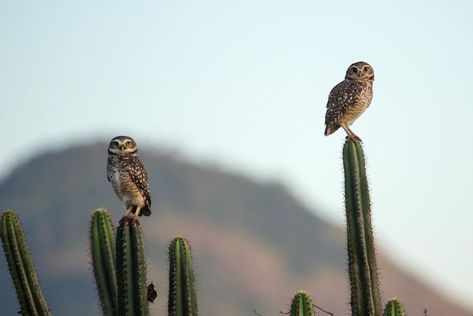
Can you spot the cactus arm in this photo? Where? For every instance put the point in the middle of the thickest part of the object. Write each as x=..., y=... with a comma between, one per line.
x=124, y=265
x=12, y=254
x=182, y=300
x=131, y=269
x=394, y=308
x=102, y=239
x=188, y=276
x=352, y=233
x=139, y=265
x=20, y=264
x=365, y=297
x=301, y=305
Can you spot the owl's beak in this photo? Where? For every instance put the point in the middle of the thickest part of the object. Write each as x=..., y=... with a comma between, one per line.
x=121, y=147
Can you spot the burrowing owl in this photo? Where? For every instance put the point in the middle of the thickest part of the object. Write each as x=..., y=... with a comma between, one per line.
x=349, y=99
x=128, y=176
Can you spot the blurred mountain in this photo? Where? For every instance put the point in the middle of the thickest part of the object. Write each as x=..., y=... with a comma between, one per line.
x=254, y=244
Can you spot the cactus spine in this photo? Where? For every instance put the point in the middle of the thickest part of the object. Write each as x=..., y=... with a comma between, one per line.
x=302, y=305
x=394, y=308
x=102, y=245
x=131, y=269
x=182, y=300
x=20, y=264
x=365, y=296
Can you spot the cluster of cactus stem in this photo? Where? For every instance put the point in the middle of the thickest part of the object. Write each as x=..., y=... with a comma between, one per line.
x=118, y=260
x=119, y=265
x=124, y=258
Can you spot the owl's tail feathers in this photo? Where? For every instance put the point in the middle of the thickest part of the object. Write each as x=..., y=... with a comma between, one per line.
x=330, y=129
x=146, y=211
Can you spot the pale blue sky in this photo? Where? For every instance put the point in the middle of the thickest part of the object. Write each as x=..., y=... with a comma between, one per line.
x=245, y=83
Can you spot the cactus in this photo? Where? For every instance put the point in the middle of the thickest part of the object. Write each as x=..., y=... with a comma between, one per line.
x=131, y=269
x=120, y=269
x=182, y=300
x=302, y=305
x=365, y=297
x=20, y=264
x=394, y=308
x=102, y=246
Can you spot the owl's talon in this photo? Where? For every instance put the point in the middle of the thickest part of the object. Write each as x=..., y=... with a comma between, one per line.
x=353, y=138
x=129, y=217
x=357, y=139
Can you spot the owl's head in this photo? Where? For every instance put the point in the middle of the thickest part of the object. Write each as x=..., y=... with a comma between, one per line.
x=360, y=71
x=122, y=146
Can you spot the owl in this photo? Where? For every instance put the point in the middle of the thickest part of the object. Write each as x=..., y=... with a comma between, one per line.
x=128, y=176
x=349, y=99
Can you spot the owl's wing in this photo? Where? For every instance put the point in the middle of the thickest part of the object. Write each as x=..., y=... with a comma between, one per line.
x=343, y=96
x=109, y=169
x=139, y=176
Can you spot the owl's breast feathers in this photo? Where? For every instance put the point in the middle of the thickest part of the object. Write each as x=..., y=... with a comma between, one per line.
x=129, y=177
x=346, y=102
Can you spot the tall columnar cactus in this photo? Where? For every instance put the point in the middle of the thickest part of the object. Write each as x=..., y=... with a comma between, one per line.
x=365, y=296
x=302, y=305
x=102, y=246
x=394, y=308
x=131, y=269
x=182, y=299
x=20, y=264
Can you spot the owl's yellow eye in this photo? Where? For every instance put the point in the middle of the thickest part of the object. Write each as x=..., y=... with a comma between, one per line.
x=114, y=144
x=129, y=144
x=366, y=68
x=354, y=70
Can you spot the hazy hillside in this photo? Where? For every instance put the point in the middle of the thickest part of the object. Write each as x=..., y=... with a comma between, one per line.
x=254, y=244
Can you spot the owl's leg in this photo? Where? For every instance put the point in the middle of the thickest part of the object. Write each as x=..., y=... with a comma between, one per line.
x=128, y=212
x=138, y=211
x=350, y=133
x=354, y=135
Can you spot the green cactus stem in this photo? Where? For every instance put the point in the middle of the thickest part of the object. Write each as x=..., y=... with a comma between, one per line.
x=131, y=269
x=394, y=308
x=302, y=305
x=20, y=264
x=102, y=246
x=365, y=297
x=182, y=300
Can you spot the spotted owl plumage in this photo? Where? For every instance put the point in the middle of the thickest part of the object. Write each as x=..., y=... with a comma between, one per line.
x=128, y=176
x=349, y=99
